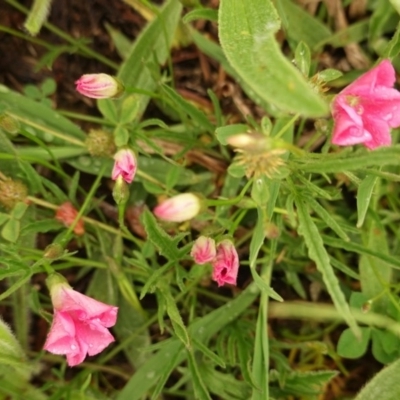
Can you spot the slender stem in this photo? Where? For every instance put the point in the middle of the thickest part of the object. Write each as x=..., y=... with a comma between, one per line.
x=51, y=131
x=227, y=202
x=84, y=117
x=286, y=126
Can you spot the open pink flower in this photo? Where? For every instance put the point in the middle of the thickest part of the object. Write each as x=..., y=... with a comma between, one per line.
x=98, y=86
x=225, y=264
x=179, y=208
x=66, y=213
x=365, y=111
x=79, y=324
x=203, y=250
x=125, y=165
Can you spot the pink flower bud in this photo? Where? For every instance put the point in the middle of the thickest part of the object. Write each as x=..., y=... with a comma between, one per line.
x=98, y=86
x=66, y=213
x=365, y=111
x=178, y=208
x=225, y=264
x=203, y=250
x=79, y=324
x=125, y=165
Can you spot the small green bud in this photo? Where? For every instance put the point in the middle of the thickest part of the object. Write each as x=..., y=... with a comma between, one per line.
x=100, y=143
x=9, y=124
x=53, y=251
x=121, y=191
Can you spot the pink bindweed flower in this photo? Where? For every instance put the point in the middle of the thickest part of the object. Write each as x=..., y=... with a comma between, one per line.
x=98, y=86
x=225, y=264
x=365, y=111
x=66, y=213
x=125, y=165
x=203, y=250
x=178, y=208
x=79, y=324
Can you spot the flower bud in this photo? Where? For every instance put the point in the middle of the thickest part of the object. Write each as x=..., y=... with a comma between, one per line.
x=125, y=165
x=9, y=124
x=271, y=231
x=12, y=192
x=53, y=251
x=121, y=191
x=203, y=250
x=99, y=86
x=100, y=143
x=66, y=213
x=178, y=208
x=225, y=264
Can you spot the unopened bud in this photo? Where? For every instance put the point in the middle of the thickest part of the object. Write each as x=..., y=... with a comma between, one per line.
x=271, y=231
x=366, y=307
x=100, y=143
x=245, y=140
x=121, y=191
x=12, y=192
x=9, y=124
x=53, y=251
x=179, y=208
x=99, y=86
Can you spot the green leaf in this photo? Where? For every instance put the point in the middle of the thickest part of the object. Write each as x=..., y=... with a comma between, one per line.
x=384, y=385
x=37, y=16
x=302, y=26
x=364, y=194
x=173, y=313
x=205, y=327
x=302, y=57
x=247, y=36
x=11, y=230
x=193, y=112
x=166, y=245
x=351, y=162
x=319, y=255
x=208, y=14
x=351, y=347
x=152, y=44
x=129, y=109
x=200, y=390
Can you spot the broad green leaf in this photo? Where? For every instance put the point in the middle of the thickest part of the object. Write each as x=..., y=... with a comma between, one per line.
x=351, y=347
x=152, y=44
x=11, y=230
x=364, y=194
x=319, y=255
x=247, y=34
x=385, y=385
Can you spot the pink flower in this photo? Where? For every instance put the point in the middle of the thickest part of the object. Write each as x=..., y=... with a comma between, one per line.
x=98, y=86
x=365, y=111
x=66, y=213
x=203, y=250
x=178, y=208
x=125, y=165
x=226, y=264
x=79, y=324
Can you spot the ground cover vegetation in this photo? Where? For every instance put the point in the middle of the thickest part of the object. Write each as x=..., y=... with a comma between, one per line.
x=199, y=199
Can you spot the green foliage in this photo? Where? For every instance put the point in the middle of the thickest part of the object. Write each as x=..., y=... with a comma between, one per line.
x=310, y=221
